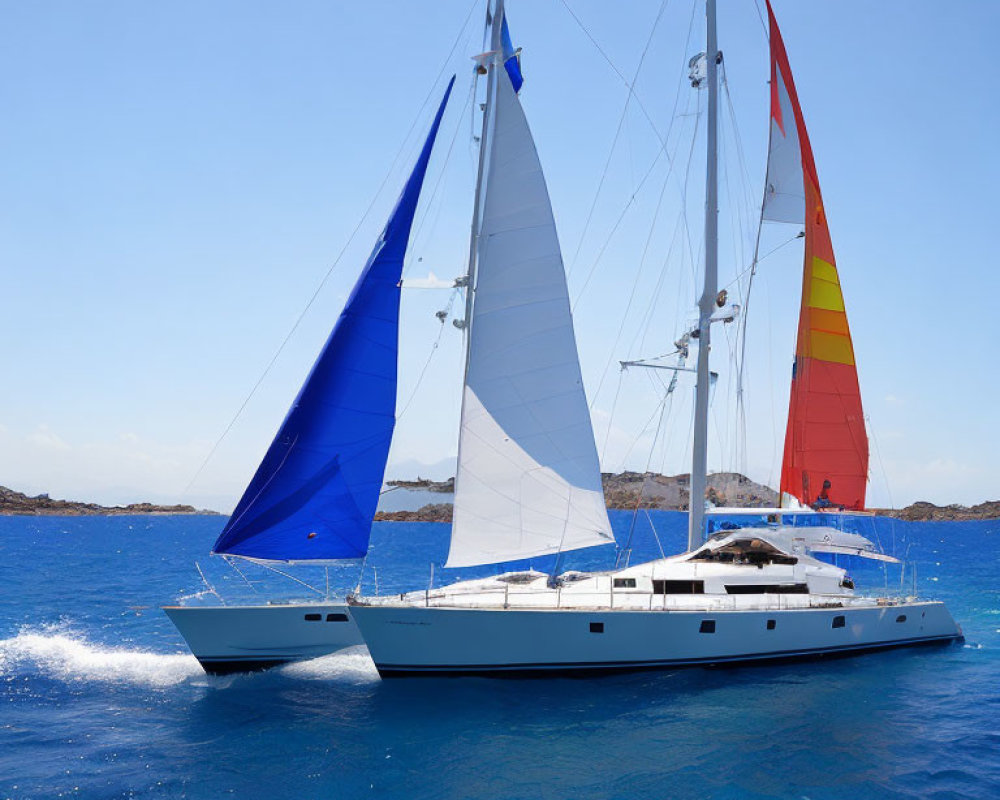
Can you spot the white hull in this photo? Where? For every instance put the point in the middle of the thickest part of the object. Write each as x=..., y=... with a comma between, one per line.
x=242, y=638
x=409, y=639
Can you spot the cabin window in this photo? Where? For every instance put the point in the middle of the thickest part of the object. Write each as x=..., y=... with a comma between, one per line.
x=839, y=622
x=770, y=624
x=707, y=626
x=313, y=617
x=336, y=617
x=597, y=627
x=901, y=618
x=624, y=583
x=767, y=588
x=678, y=587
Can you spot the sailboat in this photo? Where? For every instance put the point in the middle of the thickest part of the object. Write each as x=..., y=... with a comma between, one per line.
x=313, y=497
x=528, y=481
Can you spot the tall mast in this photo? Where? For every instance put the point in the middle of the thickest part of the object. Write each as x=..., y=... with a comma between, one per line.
x=699, y=461
x=495, y=47
x=470, y=275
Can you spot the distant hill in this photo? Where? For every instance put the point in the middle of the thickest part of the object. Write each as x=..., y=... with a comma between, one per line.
x=623, y=490
x=928, y=512
x=673, y=492
x=629, y=490
x=12, y=502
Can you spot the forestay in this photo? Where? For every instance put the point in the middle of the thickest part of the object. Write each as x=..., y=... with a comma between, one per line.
x=314, y=494
x=528, y=480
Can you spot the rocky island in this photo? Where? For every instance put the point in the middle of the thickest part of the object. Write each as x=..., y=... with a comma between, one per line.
x=12, y=502
x=649, y=490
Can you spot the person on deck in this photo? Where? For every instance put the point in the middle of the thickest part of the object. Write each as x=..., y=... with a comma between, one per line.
x=823, y=501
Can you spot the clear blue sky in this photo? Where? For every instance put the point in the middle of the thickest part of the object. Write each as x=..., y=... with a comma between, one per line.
x=176, y=180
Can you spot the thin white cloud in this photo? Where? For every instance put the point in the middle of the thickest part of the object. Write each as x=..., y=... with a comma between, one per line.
x=47, y=439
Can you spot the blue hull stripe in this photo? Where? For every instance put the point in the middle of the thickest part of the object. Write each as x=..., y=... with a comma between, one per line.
x=776, y=655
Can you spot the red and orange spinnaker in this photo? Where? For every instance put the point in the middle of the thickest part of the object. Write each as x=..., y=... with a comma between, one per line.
x=825, y=438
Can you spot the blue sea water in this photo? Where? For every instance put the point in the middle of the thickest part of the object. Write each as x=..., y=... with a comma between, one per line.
x=101, y=700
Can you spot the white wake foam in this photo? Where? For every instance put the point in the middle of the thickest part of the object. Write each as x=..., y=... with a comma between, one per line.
x=352, y=665
x=67, y=656
x=71, y=658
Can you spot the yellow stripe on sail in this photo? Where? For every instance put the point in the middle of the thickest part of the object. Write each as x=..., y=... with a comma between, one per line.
x=824, y=287
x=833, y=347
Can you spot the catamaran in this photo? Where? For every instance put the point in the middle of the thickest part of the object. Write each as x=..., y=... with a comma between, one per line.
x=314, y=495
x=528, y=482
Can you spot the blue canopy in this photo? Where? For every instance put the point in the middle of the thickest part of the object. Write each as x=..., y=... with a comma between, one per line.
x=314, y=494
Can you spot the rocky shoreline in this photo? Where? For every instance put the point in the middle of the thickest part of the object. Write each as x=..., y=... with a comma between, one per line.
x=630, y=490
x=17, y=503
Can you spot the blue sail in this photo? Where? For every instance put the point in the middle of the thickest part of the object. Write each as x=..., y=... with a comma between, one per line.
x=314, y=494
x=511, y=57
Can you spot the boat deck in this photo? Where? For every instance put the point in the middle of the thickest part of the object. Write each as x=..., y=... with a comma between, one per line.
x=529, y=597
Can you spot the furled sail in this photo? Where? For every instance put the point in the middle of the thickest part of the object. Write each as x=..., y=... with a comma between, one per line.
x=528, y=480
x=825, y=438
x=314, y=494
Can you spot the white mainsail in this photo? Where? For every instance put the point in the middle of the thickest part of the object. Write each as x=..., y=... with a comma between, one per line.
x=528, y=480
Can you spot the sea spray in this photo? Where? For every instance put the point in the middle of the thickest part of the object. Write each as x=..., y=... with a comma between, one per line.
x=60, y=654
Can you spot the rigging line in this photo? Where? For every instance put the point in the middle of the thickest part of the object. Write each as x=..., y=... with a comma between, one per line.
x=631, y=297
x=644, y=430
x=682, y=231
x=437, y=185
x=878, y=453
x=618, y=130
x=290, y=577
x=756, y=263
x=649, y=460
x=682, y=218
x=760, y=16
x=672, y=158
x=639, y=338
x=336, y=261
x=611, y=418
x=687, y=180
x=730, y=107
x=597, y=194
x=618, y=72
x=430, y=356
x=614, y=228
x=647, y=314
x=741, y=364
x=738, y=138
x=239, y=572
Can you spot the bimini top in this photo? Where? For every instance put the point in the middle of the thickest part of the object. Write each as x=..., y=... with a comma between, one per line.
x=791, y=541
